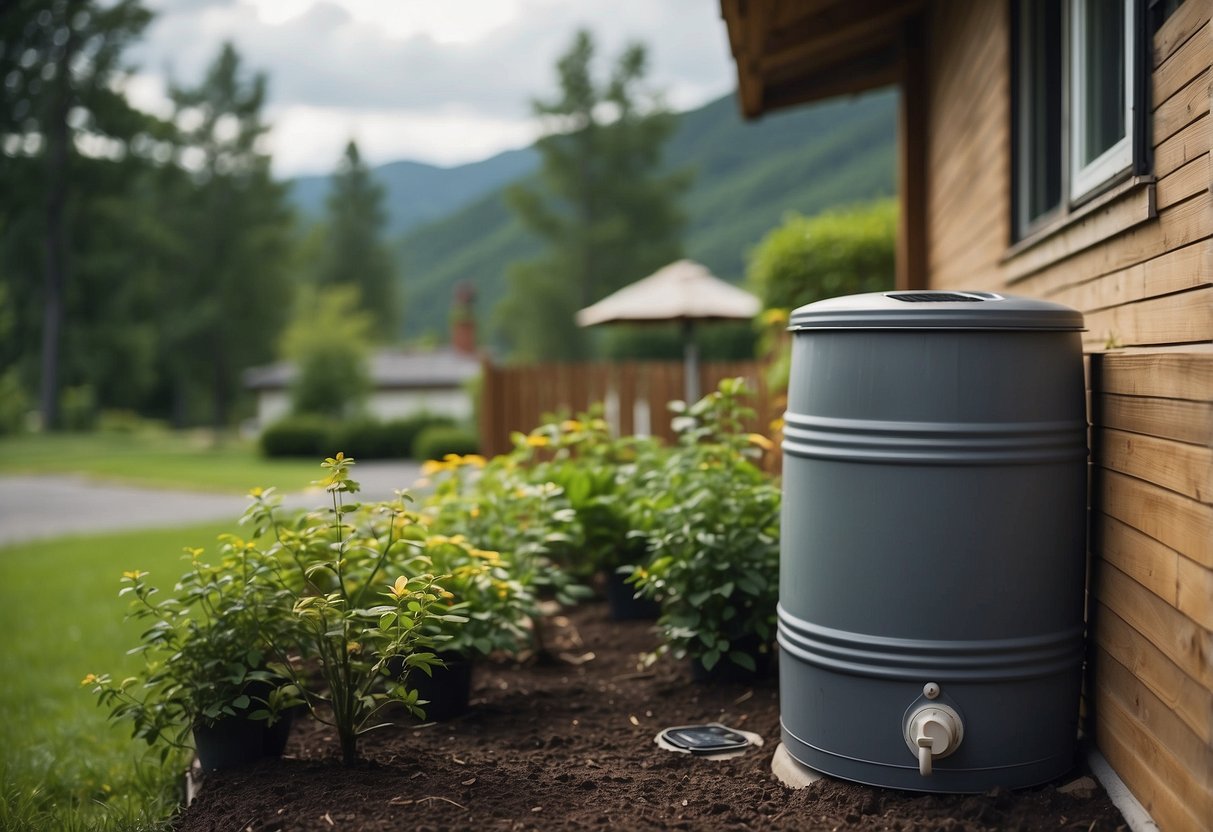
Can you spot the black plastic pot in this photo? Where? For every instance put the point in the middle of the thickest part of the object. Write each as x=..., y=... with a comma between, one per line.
x=231, y=742
x=623, y=603
x=235, y=741
x=447, y=692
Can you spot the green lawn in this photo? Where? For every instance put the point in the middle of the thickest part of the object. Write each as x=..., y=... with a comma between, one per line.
x=62, y=765
x=157, y=459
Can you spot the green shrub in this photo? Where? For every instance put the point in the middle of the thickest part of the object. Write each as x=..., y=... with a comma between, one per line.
x=361, y=438
x=371, y=439
x=711, y=517
x=329, y=341
x=838, y=253
x=13, y=402
x=404, y=432
x=437, y=441
x=303, y=612
x=78, y=408
x=127, y=422
x=600, y=476
x=308, y=436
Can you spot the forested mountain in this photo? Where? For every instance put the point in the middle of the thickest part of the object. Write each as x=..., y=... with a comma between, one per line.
x=747, y=175
x=417, y=192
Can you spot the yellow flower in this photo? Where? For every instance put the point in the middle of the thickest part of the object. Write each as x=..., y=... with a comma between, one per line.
x=475, y=459
x=400, y=588
x=485, y=554
x=571, y=425
x=451, y=459
x=353, y=647
x=761, y=441
x=433, y=466
x=89, y=679
x=536, y=441
x=474, y=511
x=775, y=317
x=133, y=575
x=256, y=491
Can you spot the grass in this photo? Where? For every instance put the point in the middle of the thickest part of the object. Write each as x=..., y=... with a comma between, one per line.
x=161, y=459
x=62, y=764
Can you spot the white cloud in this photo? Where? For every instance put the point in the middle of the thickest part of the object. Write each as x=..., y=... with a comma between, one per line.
x=312, y=139
x=434, y=81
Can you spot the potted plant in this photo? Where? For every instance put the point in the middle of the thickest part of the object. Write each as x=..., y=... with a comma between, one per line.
x=599, y=475
x=207, y=649
x=711, y=518
x=329, y=571
x=510, y=533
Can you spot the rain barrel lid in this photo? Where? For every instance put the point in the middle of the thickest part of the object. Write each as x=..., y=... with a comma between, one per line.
x=932, y=309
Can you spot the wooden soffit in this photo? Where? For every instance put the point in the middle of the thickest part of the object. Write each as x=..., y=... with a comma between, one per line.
x=795, y=51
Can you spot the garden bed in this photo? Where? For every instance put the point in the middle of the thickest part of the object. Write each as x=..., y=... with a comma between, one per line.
x=569, y=745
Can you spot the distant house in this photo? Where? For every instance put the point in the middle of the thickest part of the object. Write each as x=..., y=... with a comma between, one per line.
x=402, y=383
x=1060, y=149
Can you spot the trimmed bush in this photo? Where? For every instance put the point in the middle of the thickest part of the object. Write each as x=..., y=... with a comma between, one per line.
x=405, y=431
x=370, y=439
x=362, y=439
x=837, y=253
x=309, y=436
x=437, y=441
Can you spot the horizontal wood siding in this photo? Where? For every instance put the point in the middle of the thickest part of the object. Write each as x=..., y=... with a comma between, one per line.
x=1138, y=263
x=969, y=142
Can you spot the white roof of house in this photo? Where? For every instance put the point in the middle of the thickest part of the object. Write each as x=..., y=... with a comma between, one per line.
x=389, y=370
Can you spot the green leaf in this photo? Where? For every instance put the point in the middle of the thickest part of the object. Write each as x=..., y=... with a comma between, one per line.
x=743, y=659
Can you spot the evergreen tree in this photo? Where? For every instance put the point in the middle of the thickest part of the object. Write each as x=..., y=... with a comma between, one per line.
x=61, y=61
x=607, y=213
x=354, y=251
x=232, y=296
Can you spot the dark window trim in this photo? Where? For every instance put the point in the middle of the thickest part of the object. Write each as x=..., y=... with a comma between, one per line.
x=1069, y=209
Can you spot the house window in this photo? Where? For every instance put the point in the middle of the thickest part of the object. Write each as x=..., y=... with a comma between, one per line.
x=1076, y=84
x=1101, y=73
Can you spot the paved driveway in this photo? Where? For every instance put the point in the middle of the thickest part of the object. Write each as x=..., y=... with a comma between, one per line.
x=34, y=507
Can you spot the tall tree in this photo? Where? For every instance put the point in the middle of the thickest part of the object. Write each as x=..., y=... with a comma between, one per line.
x=234, y=294
x=61, y=65
x=354, y=251
x=607, y=209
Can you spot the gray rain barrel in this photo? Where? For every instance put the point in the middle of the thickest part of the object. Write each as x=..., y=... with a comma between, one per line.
x=932, y=562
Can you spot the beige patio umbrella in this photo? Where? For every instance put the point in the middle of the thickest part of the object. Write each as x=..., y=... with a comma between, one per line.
x=683, y=291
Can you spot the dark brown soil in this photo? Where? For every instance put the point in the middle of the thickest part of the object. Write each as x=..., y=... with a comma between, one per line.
x=570, y=746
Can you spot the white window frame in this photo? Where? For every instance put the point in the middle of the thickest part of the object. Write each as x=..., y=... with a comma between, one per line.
x=1119, y=157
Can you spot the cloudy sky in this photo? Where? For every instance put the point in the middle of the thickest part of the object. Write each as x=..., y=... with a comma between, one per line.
x=440, y=81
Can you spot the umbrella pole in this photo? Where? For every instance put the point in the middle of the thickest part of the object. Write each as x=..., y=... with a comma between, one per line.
x=690, y=364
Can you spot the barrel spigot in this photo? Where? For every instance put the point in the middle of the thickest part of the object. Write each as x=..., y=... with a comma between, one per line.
x=933, y=731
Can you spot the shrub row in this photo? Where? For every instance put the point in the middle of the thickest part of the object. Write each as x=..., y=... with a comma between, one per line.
x=420, y=436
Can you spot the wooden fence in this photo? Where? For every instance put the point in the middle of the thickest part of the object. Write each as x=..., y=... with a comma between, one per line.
x=634, y=395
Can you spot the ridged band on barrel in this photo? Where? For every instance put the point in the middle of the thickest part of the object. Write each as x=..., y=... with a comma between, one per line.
x=942, y=443
x=986, y=660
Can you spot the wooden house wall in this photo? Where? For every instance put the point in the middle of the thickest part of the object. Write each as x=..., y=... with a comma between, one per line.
x=1138, y=263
